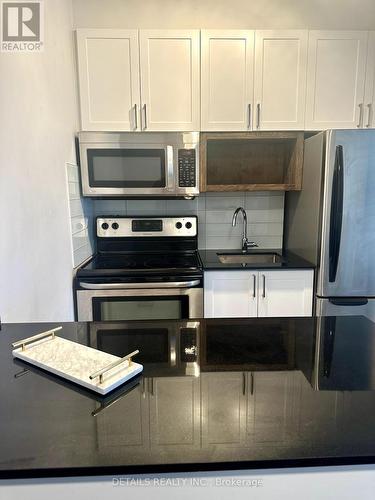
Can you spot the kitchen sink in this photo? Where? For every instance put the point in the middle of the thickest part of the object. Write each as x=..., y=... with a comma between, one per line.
x=247, y=258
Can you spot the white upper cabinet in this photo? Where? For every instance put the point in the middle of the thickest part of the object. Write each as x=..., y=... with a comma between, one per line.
x=369, y=121
x=170, y=80
x=280, y=80
x=336, y=79
x=227, y=79
x=285, y=293
x=108, y=64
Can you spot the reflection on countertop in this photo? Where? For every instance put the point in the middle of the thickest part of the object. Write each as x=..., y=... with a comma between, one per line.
x=214, y=394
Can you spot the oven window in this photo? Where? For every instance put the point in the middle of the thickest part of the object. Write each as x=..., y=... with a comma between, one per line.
x=139, y=308
x=133, y=168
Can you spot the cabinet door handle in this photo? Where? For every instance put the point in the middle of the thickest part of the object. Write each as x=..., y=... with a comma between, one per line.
x=145, y=117
x=360, y=122
x=252, y=384
x=258, y=115
x=254, y=286
x=369, y=122
x=264, y=286
x=135, y=117
x=243, y=383
x=249, y=116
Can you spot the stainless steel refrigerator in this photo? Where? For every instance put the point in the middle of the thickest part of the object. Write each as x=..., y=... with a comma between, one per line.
x=331, y=222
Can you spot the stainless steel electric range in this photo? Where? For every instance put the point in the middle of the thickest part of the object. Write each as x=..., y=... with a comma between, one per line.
x=144, y=268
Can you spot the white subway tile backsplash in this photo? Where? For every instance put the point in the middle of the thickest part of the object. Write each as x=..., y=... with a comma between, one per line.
x=264, y=202
x=149, y=206
x=81, y=217
x=74, y=192
x=82, y=254
x=73, y=172
x=224, y=202
x=110, y=207
x=265, y=211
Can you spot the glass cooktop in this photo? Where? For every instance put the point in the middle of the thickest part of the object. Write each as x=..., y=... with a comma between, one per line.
x=141, y=262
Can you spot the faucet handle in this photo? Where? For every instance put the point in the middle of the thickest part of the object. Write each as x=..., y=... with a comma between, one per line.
x=250, y=244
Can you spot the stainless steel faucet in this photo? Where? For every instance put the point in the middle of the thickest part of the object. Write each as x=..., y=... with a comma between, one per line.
x=246, y=244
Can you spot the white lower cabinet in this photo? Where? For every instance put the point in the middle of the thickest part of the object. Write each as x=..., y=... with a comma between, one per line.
x=285, y=293
x=235, y=294
x=229, y=294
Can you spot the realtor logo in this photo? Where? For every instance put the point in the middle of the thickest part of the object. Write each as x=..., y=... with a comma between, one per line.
x=22, y=26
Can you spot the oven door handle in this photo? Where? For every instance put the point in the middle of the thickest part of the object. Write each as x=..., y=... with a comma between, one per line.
x=130, y=286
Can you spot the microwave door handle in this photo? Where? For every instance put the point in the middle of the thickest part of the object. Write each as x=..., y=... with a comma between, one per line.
x=132, y=286
x=170, y=169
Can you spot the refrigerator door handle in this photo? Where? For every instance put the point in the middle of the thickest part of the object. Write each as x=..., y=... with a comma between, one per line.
x=360, y=301
x=337, y=200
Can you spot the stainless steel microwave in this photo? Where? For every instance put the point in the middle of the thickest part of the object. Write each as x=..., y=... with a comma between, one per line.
x=138, y=165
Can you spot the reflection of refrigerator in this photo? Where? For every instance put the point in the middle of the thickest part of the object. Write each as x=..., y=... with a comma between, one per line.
x=331, y=222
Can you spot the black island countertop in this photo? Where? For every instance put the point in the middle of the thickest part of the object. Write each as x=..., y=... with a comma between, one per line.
x=289, y=260
x=219, y=394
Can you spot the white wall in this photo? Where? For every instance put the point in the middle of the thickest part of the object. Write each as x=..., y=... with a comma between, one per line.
x=38, y=119
x=313, y=14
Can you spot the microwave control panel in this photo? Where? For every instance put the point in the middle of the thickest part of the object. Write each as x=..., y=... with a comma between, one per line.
x=186, y=168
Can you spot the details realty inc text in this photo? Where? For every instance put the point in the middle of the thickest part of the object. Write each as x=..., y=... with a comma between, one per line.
x=188, y=482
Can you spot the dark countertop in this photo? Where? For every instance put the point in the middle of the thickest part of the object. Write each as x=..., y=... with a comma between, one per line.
x=214, y=395
x=210, y=260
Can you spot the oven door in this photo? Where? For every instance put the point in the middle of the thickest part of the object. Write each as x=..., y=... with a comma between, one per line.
x=122, y=169
x=101, y=303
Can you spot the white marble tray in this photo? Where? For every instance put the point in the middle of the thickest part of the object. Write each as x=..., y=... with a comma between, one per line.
x=76, y=362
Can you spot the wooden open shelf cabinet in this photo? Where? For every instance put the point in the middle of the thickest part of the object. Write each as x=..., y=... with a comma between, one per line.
x=251, y=161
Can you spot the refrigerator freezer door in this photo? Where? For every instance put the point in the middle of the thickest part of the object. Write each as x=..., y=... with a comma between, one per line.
x=346, y=307
x=347, y=261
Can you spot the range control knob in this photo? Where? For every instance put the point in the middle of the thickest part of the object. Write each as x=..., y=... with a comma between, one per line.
x=178, y=225
x=105, y=226
x=188, y=225
x=115, y=225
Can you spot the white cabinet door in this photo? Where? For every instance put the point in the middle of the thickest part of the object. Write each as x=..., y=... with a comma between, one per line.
x=108, y=64
x=280, y=79
x=335, y=79
x=169, y=61
x=223, y=408
x=175, y=412
x=369, y=119
x=230, y=294
x=285, y=293
x=227, y=79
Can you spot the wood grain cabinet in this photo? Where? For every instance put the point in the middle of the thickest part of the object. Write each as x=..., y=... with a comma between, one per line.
x=336, y=79
x=256, y=161
x=229, y=294
x=139, y=80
